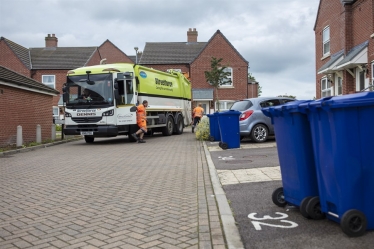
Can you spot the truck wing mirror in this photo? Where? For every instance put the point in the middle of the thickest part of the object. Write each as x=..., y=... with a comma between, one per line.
x=117, y=96
x=65, y=97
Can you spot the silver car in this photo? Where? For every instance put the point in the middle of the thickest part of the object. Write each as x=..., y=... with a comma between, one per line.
x=252, y=122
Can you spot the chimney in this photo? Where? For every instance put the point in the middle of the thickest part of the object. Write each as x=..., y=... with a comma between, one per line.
x=51, y=41
x=192, y=35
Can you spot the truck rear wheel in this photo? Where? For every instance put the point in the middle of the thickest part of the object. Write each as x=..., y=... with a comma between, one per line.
x=179, y=126
x=169, y=128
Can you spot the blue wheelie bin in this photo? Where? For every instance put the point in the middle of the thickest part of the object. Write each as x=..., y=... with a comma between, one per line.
x=343, y=143
x=228, y=123
x=214, y=134
x=296, y=158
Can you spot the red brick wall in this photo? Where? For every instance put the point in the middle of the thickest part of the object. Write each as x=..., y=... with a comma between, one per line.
x=219, y=48
x=60, y=79
x=350, y=25
x=94, y=60
x=9, y=60
x=113, y=54
x=27, y=109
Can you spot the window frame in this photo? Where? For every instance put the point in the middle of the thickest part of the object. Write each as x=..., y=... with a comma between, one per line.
x=327, y=89
x=226, y=104
x=361, y=81
x=338, y=85
x=224, y=85
x=326, y=41
x=49, y=83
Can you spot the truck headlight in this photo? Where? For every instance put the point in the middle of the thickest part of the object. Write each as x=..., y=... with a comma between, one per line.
x=108, y=113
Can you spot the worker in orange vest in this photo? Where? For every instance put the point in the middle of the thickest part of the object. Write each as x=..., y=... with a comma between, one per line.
x=197, y=114
x=141, y=120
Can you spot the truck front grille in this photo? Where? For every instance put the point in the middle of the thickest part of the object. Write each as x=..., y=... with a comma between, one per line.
x=87, y=119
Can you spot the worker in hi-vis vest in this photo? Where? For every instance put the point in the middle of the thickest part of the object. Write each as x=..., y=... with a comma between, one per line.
x=197, y=114
x=141, y=120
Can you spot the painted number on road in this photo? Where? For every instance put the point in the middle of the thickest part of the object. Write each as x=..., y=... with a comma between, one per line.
x=257, y=224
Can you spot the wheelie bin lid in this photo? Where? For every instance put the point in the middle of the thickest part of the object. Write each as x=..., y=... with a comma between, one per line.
x=343, y=101
x=229, y=112
x=289, y=107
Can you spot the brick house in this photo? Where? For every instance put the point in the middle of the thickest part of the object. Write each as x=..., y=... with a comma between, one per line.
x=24, y=102
x=50, y=64
x=194, y=58
x=344, y=40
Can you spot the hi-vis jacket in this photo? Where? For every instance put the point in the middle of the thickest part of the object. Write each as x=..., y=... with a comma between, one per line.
x=198, y=112
x=141, y=116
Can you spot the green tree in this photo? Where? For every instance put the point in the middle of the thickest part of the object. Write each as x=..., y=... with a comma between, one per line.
x=217, y=75
x=259, y=90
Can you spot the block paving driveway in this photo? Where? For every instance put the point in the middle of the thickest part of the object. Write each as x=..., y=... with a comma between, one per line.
x=110, y=194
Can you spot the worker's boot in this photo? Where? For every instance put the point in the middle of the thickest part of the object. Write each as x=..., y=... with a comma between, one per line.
x=141, y=141
x=193, y=128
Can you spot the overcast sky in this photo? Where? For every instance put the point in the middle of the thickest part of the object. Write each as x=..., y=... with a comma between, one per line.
x=276, y=37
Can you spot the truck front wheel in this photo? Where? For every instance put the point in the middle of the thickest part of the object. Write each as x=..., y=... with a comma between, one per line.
x=169, y=128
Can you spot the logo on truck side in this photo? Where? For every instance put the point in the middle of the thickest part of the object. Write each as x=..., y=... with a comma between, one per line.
x=143, y=74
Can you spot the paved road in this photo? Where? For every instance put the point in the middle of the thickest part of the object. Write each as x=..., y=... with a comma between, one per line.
x=249, y=176
x=110, y=194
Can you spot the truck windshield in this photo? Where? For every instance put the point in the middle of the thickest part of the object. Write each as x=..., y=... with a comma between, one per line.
x=95, y=90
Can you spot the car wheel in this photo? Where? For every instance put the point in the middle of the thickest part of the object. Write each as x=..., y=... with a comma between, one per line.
x=353, y=223
x=259, y=133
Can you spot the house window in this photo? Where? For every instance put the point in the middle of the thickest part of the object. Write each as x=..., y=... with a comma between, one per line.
x=325, y=87
x=56, y=112
x=228, y=81
x=361, y=80
x=49, y=80
x=326, y=40
x=339, y=86
x=225, y=105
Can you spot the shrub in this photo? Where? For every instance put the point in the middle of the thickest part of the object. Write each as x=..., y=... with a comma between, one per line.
x=202, y=129
x=58, y=127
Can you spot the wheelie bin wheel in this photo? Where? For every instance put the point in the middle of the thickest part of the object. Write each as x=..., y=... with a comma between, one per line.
x=353, y=223
x=220, y=144
x=278, y=197
x=224, y=146
x=313, y=209
x=211, y=138
x=303, y=206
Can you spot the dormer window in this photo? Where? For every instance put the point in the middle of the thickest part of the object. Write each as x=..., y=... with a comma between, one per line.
x=326, y=41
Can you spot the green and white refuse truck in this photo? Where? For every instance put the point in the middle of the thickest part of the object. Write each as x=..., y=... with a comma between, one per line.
x=115, y=90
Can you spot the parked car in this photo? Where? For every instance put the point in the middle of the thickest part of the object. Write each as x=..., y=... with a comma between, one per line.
x=252, y=122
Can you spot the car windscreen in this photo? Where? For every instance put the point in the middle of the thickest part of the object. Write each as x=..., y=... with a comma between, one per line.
x=241, y=105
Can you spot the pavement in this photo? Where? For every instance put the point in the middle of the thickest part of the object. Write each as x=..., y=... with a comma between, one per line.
x=166, y=193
